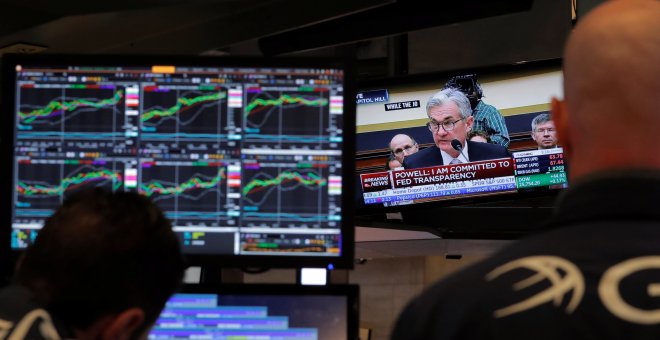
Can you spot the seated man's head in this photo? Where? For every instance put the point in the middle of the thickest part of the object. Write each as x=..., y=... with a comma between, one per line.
x=450, y=118
x=543, y=131
x=402, y=146
x=622, y=38
x=104, y=264
x=479, y=136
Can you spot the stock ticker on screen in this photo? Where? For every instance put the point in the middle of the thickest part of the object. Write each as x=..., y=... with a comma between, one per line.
x=526, y=170
x=241, y=160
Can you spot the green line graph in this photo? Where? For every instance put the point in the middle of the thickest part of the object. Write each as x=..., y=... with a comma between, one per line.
x=70, y=183
x=258, y=104
x=191, y=184
x=57, y=107
x=182, y=104
x=309, y=179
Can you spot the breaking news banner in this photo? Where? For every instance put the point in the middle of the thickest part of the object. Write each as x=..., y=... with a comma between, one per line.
x=453, y=173
x=439, y=181
x=377, y=181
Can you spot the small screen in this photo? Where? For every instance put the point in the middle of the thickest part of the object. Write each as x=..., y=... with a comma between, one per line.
x=245, y=158
x=508, y=146
x=258, y=313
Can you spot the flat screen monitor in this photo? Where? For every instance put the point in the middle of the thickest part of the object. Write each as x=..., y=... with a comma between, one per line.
x=260, y=312
x=246, y=157
x=511, y=98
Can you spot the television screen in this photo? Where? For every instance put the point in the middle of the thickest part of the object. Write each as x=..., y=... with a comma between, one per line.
x=505, y=147
x=260, y=312
x=246, y=156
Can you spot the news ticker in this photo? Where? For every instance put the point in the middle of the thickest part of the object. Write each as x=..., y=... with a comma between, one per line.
x=526, y=169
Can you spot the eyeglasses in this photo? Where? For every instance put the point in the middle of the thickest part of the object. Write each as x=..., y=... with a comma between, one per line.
x=550, y=130
x=446, y=125
x=406, y=149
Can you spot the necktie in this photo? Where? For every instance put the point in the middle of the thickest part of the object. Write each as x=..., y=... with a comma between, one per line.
x=455, y=161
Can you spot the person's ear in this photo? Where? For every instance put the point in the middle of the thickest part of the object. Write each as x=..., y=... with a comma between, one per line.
x=560, y=118
x=123, y=325
x=469, y=121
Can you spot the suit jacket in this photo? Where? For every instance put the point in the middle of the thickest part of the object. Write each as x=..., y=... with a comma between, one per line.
x=476, y=152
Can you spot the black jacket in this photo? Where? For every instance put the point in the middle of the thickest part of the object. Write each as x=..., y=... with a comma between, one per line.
x=588, y=277
x=476, y=152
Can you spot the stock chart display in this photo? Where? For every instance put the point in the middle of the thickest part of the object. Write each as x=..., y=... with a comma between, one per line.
x=241, y=160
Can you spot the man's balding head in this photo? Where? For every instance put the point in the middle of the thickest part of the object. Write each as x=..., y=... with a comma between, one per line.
x=611, y=68
x=402, y=146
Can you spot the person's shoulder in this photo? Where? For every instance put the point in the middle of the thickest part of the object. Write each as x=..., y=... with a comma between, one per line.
x=489, y=148
x=424, y=157
x=426, y=151
x=459, y=300
x=482, y=105
x=22, y=318
x=469, y=300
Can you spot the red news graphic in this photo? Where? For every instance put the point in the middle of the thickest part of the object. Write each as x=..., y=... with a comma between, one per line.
x=380, y=181
x=453, y=173
x=375, y=181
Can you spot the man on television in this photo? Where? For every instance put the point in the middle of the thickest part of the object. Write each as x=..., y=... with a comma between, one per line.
x=450, y=119
x=544, y=132
x=102, y=267
x=402, y=146
x=595, y=272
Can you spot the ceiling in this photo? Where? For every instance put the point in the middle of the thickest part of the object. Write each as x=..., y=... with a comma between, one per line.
x=191, y=27
x=157, y=26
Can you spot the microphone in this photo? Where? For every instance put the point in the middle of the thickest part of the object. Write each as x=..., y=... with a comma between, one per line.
x=458, y=147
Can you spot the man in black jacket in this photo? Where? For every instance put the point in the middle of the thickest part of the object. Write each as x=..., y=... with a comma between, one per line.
x=450, y=119
x=595, y=274
x=102, y=267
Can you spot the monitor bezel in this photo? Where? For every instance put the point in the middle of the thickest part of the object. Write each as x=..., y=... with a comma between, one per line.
x=514, y=200
x=344, y=260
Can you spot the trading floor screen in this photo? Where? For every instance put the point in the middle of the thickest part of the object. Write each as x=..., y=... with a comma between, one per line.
x=241, y=160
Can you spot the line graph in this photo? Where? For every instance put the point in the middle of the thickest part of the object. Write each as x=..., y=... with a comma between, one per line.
x=287, y=113
x=82, y=109
x=190, y=110
x=310, y=179
x=185, y=190
x=197, y=182
x=44, y=186
x=275, y=193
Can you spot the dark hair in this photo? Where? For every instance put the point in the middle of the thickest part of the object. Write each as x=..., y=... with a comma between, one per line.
x=101, y=253
x=481, y=133
x=469, y=85
x=389, y=159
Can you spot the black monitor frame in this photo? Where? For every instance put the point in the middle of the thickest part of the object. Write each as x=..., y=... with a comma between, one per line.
x=351, y=292
x=344, y=260
x=512, y=201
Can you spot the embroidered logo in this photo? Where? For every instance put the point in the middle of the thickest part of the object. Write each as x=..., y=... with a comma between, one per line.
x=564, y=278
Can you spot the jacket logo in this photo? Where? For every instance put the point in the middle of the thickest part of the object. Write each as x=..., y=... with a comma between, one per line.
x=38, y=318
x=565, y=277
x=545, y=268
x=609, y=293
